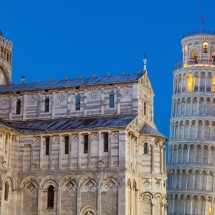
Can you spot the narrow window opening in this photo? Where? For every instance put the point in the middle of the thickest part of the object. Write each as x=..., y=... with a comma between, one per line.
x=144, y=108
x=50, y=197
x=205, y=47
x=6, y=191
x=195, y=57
x=106, y=142
x=66, y=141
x=111, y=100
x=18, y=106
x=47, y=104
x=47, y=145
x=86, y=143
x=145, y=148
x=77, y=102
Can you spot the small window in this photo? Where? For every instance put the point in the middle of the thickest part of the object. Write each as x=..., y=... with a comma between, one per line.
x=185, y=49
x=47, y=145
x=50, y=197
x=66, y=142
x=77, y=102
x=6, y=191
x=144, y=108
x=18, y=106
x=145, y=148
x=205, y=47
x=213, y=58
x=47, y=104
x=86, y=144
x=111, y=100
x=106, y=142
x=213, y=85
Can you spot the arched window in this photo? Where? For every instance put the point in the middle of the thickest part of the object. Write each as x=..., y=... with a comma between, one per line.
x=47, y=104
x=111, y=100
x=195, y=57
x=78, y=102
x=6, y=191
x=205, y=47
x=145, y=148
x=213, y=85
x=185, y=49
x=50, y=197
x=18, y=106
x=190, y=83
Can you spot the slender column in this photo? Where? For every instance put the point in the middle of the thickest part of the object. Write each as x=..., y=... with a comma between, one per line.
x=41, y=152
x=9, y=150
x=164, y=159
x=152, y=158
x=80, y=143
x=10, y=108
x=38, y=105
x=213, y=183
x=32, y=156
x=58, y=200
x=50, y=152
x=118, y=98
x=78, y=200
x=161, y=159
x=89, y=150
x=53, y=105
x=100, y=147
x=24, y=107
x=70, y=151
x=60, y=152
x=102, y=101
x=99, y=200
x=109, y=150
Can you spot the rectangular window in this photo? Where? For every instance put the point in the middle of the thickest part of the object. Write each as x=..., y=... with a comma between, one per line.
x=47, y=104
x=66, y=142
x=111, y=100
x=47, y=145
x=106, y=142
x=86, y=143
x=77, y=102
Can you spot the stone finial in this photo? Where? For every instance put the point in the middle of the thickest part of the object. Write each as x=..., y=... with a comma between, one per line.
x=23, y=80
x=1, y=35
x=144, y=63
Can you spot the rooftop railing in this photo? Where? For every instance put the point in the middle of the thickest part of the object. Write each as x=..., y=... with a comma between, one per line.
x=199, y=63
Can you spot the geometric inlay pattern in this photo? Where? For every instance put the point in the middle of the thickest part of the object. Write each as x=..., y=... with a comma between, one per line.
x=61, y=97
x=90, y=185
x=4, y=101
x=32, y=99
x=69, y=185
x=115, y=136
x=75, y=138
x=31, y=187
x=94, y=95
x=125, y=91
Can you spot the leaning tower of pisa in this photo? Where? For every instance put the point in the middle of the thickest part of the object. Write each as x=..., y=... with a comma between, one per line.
x=191, y=168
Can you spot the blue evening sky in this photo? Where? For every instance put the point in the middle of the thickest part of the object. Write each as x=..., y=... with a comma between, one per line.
x=71, y=38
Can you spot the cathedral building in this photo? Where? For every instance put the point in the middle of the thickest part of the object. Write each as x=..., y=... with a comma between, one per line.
x=191, y=172
x=85, y=146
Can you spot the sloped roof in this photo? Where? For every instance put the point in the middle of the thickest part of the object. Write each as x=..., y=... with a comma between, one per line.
x=71, y=83
x=149, y=130
x=70, y=124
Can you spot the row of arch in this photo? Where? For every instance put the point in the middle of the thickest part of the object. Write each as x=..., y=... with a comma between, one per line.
x=191, y=179
x=194, y=82
x=193, y=106
x=192, y=130
x=192, y=153
x=190, y=204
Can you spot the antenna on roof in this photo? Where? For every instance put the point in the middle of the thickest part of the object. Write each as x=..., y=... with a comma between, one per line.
x=144, y=63
x=23, y=80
